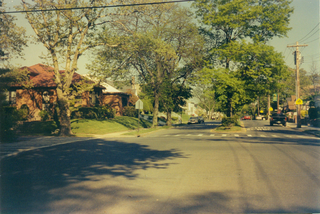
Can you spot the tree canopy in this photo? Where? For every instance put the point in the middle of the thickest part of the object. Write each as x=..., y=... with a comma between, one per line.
x=159, y=43
x=236, y=33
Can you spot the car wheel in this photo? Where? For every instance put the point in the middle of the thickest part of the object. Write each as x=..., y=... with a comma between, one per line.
x=271, y=124
x=284, y=124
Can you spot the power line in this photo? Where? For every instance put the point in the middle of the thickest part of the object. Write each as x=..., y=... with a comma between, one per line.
x=97, y=7
x=310, y=31
x=310, y=36
x=313, y=40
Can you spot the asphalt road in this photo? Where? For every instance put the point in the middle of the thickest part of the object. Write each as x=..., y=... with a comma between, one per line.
x=183, y=170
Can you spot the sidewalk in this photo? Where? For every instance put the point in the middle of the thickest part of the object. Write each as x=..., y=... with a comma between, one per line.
x=308, y=129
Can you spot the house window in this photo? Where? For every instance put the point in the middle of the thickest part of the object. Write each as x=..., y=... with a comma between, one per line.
x=94, y=98
x=11, y=97
x=45, y=101
x=124, y=101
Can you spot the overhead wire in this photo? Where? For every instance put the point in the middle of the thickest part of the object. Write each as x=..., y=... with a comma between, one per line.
x=97, y=7
x=310, y=32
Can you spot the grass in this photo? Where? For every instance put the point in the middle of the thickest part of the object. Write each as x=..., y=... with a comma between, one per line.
x=145, y=131
x=228, y=129
x=234, y=128
x=84, y=127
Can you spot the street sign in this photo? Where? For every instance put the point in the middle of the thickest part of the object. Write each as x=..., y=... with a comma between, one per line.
x=299, y=102
x=270, y=109
x=139, y=104
x=274, y=97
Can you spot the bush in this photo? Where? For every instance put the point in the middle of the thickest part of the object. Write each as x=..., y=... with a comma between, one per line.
x=9, y=117
x=100, y=112
x=230, y=121
x=23, y=112
x=303, y=113
x=45, y=115
x=174, y=118
x=314, y=113
x=130, y=111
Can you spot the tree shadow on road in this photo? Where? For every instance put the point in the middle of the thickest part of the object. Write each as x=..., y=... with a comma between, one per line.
x=28, y=178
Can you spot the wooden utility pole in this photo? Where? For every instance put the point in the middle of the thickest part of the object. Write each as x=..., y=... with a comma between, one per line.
x=297, y=62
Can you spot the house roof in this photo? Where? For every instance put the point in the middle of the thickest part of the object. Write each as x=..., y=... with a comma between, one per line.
x=43, y=76
x=108, y=87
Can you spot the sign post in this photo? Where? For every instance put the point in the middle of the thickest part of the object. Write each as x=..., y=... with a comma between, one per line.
x=139, y=105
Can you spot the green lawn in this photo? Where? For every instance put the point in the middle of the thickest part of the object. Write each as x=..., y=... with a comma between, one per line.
x=82, y=127
x=227, y=129
x=85, y=127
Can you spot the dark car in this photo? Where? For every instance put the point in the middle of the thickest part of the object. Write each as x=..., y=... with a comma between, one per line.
x=247, y=117
x=201, y=119
x=193, y=120
x=278, y=118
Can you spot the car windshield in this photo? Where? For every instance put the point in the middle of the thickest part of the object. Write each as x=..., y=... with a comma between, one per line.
x=276, y=114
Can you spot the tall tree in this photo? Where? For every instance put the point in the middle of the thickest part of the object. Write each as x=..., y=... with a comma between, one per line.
x=67, y=34
x=159, y=43
x=12, y=42
x=227, y=24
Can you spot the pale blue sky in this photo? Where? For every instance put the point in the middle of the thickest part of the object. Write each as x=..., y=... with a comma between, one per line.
x=303, y=20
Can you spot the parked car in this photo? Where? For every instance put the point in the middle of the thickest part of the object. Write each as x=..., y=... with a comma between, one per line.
x=193, y=120
x=201, y=119
x=278, y=118
x=246, y=117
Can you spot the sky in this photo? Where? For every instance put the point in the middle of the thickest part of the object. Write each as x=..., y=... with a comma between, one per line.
x=304, y=23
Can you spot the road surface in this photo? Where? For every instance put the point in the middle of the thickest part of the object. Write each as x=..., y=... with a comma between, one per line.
x=188, y=169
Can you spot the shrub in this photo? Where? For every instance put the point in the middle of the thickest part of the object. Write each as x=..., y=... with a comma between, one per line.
x=23, y=112
x=230, y=121
x=174, y=118
x=130, y=111
x=314, y=113
x=303, y=113
x=45, y=115
x=9, y=117
x=100, y=112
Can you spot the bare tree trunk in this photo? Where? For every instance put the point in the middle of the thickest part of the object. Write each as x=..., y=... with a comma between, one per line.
x=155, y=110
x=169, y=119
x=64, y=117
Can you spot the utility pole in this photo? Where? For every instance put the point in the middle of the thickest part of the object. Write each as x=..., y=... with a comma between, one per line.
x=297, y=62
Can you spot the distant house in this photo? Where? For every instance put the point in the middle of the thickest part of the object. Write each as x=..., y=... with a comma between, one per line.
x=43, y=96
x=113, y=97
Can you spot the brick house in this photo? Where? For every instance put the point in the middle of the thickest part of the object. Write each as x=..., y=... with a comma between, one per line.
x=43, y=96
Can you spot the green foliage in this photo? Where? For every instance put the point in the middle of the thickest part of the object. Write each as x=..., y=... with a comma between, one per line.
x=100, y=112
x=9, y=116
x=41, y=128
x=147, y=100
x=303, y=113
x=130, y=111
x=161, y=45
x=230, y=121
x=45, y=115
x=314, y=113
x=236, y=33
x=24, y=112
